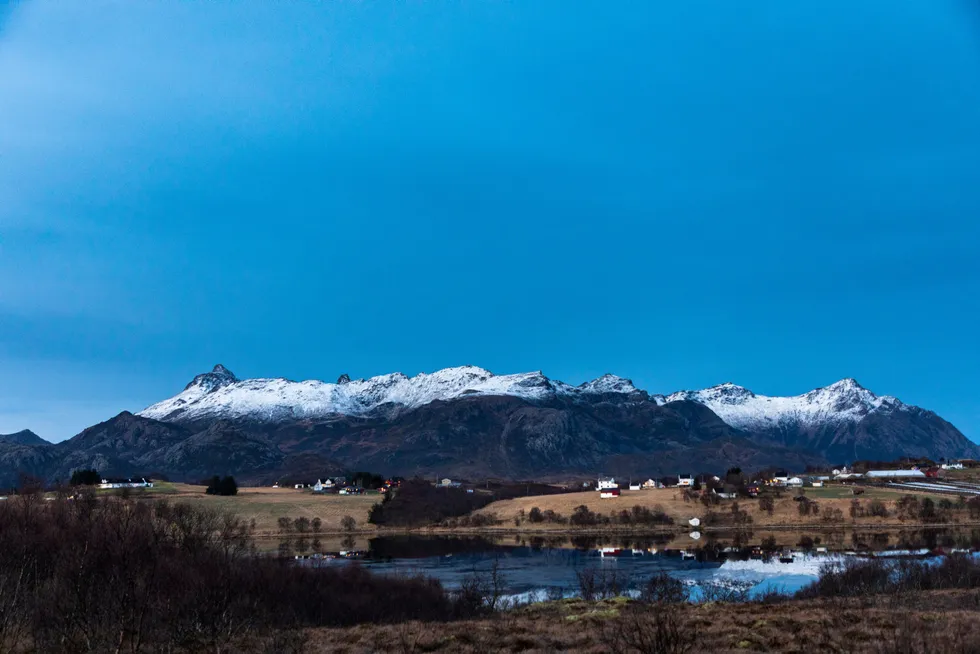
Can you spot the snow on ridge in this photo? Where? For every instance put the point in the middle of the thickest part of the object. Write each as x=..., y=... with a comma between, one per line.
x=219, y=394
x=842, y=401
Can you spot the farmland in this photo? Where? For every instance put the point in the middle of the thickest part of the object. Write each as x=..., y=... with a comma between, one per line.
x=785, y=510
x=267, y=505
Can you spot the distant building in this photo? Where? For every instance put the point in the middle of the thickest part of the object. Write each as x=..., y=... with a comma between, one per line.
x=634, y=486
x=126, y=483
x=322, y=486
x=894, y=474
x=952, y=466
x=606, y=484
x=651, y=483
x=794, y=481
x=685, y=480
x=609, y=493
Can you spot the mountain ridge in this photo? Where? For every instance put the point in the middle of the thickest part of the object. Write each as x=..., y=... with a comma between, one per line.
x=469, y=421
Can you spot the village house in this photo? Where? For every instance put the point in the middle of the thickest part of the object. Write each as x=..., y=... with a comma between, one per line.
x=634, y=485
x=894, y=474
x=125, y=483
x=685, y=480
x=322, y=486
x=952, y=466
x=779, y=478
x=651, y=483
x=606, y=484
x=794, y=481
x=609, y=493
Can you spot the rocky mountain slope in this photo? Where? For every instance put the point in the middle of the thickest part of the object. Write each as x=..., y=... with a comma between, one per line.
x=467, y=421
x=23, y=437
x=843, y=422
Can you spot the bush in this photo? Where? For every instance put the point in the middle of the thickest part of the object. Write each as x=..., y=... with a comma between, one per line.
x=222, y=486
x=85, y=478
x=108, y=575
x=535, y=515
x=583, y=516
x=662, y=588
x=878, y=509
x=418, y=503
x=860, y=578
x=598, y=583
x=301, y=524
x=767, y=504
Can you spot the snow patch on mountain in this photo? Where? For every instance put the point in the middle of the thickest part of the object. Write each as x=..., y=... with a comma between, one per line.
x=219, y=394
x=843, y=401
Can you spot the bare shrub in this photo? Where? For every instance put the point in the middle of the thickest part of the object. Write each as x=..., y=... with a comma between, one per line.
x=598, y=583
x=661, y=588
x=650, y=629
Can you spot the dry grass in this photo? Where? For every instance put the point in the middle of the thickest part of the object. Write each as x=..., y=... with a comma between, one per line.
x=785, y=512
x=267, y=505
x=864, y=625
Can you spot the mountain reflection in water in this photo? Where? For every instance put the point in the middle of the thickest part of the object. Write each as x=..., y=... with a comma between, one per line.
x=536, y=568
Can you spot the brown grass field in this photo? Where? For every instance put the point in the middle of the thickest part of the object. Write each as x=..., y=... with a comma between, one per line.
x=671, y=500
x=942, y=621
x=267, y=505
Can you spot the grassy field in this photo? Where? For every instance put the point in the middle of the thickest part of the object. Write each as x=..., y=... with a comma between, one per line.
x=672, y=502
x=267, y=505
x=927, y=622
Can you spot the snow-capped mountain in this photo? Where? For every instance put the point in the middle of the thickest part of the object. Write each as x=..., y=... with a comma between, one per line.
x=220, y=395
x=470, y=422
x=843, y=422
x=843, y=401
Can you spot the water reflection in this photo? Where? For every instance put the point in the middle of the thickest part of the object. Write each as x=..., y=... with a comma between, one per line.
x=541, y=566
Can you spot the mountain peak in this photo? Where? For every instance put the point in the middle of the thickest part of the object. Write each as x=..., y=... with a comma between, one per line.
x=23, y=437
x=844, y=385
x=210, y=381
x=609, y=383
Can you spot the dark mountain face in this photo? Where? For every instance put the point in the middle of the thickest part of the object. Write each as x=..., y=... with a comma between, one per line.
x=17, y=460
x=883, y=436
x=606, y=426
x=23, y=437
x=477, y=436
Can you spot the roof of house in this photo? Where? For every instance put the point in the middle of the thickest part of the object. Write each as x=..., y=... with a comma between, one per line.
x=894, y=473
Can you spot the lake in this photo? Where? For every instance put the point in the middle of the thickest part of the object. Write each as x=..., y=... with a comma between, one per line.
x=538, y=568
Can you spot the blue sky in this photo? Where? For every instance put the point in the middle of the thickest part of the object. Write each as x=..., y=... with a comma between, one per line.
x=777, y=194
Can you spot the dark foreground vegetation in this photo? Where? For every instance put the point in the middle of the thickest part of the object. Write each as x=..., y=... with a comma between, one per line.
x=116, y=575
x=112, y=575
x=418, y=503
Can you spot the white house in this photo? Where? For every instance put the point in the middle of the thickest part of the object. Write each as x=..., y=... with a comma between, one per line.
x=651, y=483
x=606, y=484
x=685, y=480
x=952, y=466
x=125, y=483
x=321, y=486
x=894, y=474
x=634, y=485
x=608, y=493
x=794, y=481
